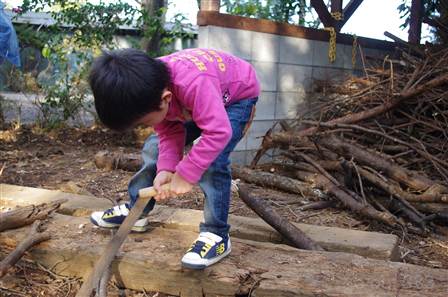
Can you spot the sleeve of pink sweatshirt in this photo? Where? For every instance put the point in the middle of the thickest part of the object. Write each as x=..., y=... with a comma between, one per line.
x=203, y=98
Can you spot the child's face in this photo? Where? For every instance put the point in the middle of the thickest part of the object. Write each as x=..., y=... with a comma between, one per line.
x=155, y=117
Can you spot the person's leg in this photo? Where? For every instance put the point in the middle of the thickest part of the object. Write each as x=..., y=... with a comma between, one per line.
x=114, y=216
x=216, y=181
x=213, y=243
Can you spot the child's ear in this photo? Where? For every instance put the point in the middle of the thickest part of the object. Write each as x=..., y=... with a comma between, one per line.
x=166, y=96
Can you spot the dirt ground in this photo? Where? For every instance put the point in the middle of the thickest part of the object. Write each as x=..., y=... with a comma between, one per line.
x=63, y=159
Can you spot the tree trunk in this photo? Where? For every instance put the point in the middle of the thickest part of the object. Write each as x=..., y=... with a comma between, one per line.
x=151, y=40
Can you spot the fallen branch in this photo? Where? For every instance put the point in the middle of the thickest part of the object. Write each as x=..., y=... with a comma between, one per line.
x=274, y=181
x=349, y=199
x=34, y=237
x=23, y=216
x=412, y=179
x=283, y=226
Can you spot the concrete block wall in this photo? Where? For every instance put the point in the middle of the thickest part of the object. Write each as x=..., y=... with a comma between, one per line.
x=286, y=67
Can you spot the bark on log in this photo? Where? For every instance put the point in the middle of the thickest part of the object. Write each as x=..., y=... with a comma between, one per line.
x=273, y=180
x=26, y=215
x=34, y=237
x=321, y=181
x=434, y=192
x=283, y=226
x=111, y=161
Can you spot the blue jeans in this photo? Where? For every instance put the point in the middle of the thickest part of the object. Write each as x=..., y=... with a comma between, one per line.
x=215, y=182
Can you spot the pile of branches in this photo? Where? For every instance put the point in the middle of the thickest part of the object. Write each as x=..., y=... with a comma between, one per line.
x=379, y=146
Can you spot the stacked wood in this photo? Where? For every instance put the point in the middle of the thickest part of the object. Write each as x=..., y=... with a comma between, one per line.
x=380, y=147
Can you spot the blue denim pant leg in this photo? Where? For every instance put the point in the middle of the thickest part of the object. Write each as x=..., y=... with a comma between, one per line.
x=145, y=176
x=216, y=181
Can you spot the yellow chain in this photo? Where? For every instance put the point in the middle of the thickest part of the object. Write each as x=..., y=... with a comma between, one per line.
x=354, y=48
x=338, y=16
x=332, y=45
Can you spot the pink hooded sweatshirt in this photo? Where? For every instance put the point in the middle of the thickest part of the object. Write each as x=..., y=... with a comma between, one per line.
x=203, y=82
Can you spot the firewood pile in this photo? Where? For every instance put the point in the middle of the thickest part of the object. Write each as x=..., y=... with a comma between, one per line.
x=378, y=144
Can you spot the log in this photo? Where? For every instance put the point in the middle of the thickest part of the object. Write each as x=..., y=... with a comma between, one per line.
x=283, y=226
x=34, y=237
x=112, y=161
x=321, y=181
x=416, y=181
x=266, y=179
x=23, y=216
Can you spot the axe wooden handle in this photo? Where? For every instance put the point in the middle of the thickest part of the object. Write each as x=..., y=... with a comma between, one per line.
x=108, y=255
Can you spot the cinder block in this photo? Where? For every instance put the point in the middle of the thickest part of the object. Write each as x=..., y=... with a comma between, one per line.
x=320, y=56
x=267, y=157
x=234, y=41
x=239, y=157
x=290, y=105
x=203, y=36
x=297, y=51
x=242, y=144
x=255, y=133
x=266, y=106
x=265, y=47
x=294, y=78
x=330, y=74
x=348, y=58
x=267, y=75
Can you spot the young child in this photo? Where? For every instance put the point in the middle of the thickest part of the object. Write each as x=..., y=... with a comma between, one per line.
x=186, y=95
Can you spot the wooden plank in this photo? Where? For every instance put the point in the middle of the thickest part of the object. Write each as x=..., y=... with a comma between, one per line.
x=151, y=261
x=210, y=18
x=368, y=244
x=77, y=205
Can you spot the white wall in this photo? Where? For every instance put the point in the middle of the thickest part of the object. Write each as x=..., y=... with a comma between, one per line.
x=286, y=67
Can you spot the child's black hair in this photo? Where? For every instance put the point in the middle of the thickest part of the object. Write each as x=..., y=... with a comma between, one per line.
x=127, y=84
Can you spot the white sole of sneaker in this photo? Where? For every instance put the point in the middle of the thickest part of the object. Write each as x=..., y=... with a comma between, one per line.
x=204, y=263
x=103, y=224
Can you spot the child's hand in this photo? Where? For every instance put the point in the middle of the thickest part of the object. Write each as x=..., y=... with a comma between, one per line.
x=163, y=177
x=179, y=185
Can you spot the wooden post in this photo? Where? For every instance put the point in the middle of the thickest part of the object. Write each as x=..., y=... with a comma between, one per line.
x=336, y=6
x=415, y=23
x=210, y=5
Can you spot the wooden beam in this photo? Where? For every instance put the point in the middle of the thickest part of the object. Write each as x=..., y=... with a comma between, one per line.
x=151, y=261
x=415, y=23
x=336, y=6
x=348, y=11
x=322, y=11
